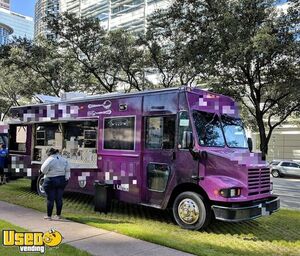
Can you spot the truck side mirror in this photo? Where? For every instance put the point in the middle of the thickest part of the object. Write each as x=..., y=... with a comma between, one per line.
x=250, y=144
x=187, y=140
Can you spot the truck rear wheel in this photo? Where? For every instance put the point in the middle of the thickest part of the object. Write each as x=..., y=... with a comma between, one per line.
x=39, y=185
x=191, y=211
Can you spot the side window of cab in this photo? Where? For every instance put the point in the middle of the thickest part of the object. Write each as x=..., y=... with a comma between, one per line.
x=184, y=130
x=160, y=132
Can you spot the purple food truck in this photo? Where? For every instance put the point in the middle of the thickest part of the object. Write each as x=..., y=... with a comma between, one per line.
x=178, y=148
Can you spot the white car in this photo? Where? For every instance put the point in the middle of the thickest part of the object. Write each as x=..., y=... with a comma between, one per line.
x=284, y=167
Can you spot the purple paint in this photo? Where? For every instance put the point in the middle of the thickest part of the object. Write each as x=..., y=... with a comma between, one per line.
x=155, y=167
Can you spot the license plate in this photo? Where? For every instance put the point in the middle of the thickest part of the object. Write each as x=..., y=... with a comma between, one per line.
x=264, y=211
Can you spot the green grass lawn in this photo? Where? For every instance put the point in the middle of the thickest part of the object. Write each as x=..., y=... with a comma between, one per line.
x=62, y=250
x=278, y=234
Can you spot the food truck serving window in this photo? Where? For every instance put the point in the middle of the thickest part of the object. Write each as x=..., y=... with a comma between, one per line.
x=80, y=142
x=47, y=134
x=76, y=140
x=83, y=133
x=119, y=133
x=18, y=138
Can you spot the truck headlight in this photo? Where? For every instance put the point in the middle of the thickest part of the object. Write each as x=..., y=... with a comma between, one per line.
x=230, y=192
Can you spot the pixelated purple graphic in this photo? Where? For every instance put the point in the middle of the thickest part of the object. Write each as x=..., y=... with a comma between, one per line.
x=46, y=113
x=18, y=165
x=215, y=103
x=3, y=128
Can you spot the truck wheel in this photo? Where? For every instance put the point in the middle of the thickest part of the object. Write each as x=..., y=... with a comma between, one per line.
x=39, y=185
x=275, y=173
x=191, y=211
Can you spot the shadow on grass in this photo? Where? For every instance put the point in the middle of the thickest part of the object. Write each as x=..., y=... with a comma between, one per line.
x=283, y=225
x=95, y=220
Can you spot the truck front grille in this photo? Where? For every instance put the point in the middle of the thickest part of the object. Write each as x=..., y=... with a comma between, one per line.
x=258, y=181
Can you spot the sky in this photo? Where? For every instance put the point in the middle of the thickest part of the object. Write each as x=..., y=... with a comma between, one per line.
x=25, y=7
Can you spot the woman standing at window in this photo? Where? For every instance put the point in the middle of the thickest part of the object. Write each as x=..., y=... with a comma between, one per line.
x=57, y=173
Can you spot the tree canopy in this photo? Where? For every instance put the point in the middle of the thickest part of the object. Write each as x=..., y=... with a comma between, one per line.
x=248, y=49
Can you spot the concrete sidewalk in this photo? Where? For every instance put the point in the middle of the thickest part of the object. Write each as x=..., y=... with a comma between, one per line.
x=93, y=240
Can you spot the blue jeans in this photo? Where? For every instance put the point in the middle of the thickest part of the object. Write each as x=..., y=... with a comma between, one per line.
x=54, y=188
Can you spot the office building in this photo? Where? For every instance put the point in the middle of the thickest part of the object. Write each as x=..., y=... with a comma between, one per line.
x=5, y=4
x=85, y=8
x=15, y=25
x=44, y=8
x=5, y=32
x=128, y=14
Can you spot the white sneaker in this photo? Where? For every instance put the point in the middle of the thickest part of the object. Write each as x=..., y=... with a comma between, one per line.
x=47, y=218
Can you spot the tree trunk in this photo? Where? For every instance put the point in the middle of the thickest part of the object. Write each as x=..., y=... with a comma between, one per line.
x=263, y=138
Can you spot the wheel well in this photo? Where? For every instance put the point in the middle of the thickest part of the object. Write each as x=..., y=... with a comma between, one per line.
x=184, y=188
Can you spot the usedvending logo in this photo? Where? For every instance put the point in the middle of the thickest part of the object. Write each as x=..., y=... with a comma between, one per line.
x=31, y=241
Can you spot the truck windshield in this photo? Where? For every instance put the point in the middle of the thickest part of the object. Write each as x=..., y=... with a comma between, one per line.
x=209, y=129
x=234, y=132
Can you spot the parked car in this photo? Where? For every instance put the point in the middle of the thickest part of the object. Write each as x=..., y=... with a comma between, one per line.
x=285, y=168
x=274, y=162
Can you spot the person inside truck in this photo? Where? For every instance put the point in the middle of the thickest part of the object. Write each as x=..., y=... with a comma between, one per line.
x=56, y=171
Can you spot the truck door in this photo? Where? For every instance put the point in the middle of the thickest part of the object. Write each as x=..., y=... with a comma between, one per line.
x=159, y=156
x=167, y=160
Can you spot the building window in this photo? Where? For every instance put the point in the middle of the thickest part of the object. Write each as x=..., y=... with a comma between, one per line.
x=119, y=133
x=160, y=132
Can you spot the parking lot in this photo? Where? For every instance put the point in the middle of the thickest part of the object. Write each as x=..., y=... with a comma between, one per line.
x=289, y=191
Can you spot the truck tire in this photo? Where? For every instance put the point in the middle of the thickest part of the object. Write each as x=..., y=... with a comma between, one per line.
x=39, y=186
x=275, y=173
x=191, y=211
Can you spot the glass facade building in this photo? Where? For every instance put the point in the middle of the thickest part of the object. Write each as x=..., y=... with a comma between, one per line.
x=42, y=10
x=5, y=31
x=128, y=14
x=21, y=25
x=5, y=4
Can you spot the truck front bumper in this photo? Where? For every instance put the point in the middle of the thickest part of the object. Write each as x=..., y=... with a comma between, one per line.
x=247, y=211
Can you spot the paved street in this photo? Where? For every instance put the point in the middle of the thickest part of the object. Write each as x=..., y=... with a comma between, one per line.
x=289, y=191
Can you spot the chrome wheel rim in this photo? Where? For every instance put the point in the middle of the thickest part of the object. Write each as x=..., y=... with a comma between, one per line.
x=275, y=174
x=188, y=211
x=41, y=183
